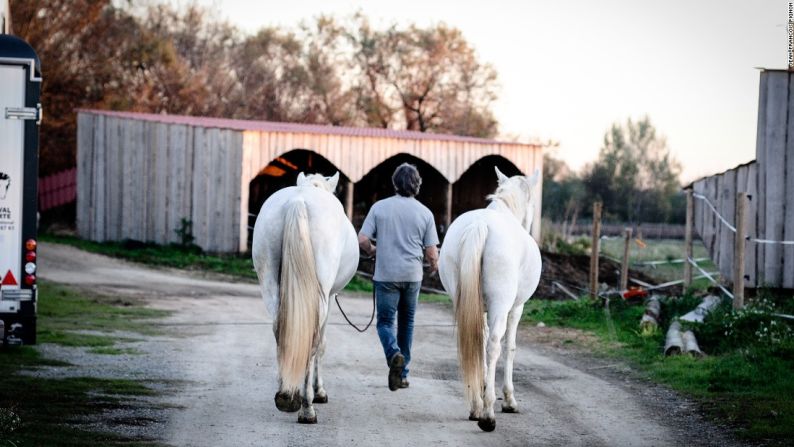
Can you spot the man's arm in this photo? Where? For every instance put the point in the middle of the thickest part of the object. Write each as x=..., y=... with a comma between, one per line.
x=431, y=254
x=366, y=245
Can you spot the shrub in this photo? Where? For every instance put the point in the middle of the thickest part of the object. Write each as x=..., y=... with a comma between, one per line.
x=725, y=329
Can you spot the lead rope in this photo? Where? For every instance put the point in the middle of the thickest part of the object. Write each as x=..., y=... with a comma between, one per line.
x=371, y=318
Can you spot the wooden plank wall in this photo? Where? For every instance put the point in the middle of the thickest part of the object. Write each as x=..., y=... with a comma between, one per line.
x=139, y=179
x=760, y=159
x=788, y=230
x=770, y=183
x=721, y=191
x=85, y=153
x=774, y=172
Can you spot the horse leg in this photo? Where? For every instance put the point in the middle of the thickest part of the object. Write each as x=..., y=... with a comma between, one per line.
x=509, y=405
x=307, y=415
x=475, y=406
x=496, y=331
x=320, y=395
x=285, y=400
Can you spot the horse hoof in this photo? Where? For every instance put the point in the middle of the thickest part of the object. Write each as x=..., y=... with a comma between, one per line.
x=474, y=418
x=487, y=424
x=307, y=419
x=509, y=409
x=320, y=399
x=287, y=402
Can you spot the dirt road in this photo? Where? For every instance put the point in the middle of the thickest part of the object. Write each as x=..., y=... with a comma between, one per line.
x=215, y=364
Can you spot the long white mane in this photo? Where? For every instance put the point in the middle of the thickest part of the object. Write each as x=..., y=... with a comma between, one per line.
x=515, y=193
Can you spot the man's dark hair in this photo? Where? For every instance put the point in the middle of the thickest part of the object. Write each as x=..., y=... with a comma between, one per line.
x=406, y=180
x=4, y=176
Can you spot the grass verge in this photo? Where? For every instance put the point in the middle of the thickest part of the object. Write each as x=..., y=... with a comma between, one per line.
x=173, y=255
x=660, y=250
x=191, y=259
x=746, y=380
x=37, y=411
x=63, y=312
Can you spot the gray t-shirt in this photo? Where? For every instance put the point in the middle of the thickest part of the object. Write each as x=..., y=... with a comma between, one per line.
x=403, y=227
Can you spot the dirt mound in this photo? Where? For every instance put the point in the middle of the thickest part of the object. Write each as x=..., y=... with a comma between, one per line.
x=572, y=271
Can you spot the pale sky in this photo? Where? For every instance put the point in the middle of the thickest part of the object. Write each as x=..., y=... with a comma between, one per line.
x=569, y=69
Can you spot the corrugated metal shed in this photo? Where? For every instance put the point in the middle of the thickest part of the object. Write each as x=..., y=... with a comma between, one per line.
x=140, y=174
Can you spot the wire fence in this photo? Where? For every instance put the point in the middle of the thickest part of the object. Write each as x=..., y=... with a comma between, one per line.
x=694, y=262
x=615, y=230
x=732, y=228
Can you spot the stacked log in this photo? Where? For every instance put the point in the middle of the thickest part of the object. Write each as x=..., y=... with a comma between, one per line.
x=650, y=319
x=699, y=313
x=691, y=345
x=674, y=342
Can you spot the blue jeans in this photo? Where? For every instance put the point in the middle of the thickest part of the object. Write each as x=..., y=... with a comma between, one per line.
x=396, y=299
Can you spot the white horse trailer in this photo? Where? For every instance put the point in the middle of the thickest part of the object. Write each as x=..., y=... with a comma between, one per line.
x=20, y=114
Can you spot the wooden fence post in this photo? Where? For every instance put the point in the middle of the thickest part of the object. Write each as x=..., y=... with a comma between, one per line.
x=738, y=250
x=624, y=268
x=690, y=218
x=595, y=250
x=349, y=199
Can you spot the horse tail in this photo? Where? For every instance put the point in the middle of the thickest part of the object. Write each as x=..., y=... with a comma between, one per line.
x=299, y=298
x=470, y=309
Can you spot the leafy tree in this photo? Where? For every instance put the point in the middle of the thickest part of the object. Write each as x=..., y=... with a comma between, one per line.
x=426, y=79
x=563, y=191
x=95, y=55
x=635, y=175
x=157, y=59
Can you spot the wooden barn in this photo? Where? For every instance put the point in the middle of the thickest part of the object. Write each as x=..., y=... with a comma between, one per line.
x=142, y=176
x=769, y=181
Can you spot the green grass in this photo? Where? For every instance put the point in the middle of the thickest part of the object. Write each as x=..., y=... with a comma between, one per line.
x=63, y=311
x=434, y=298
x=37, y=411
x=660, y=250
x=50, y=411
x=359, y=284
x=173, y=255
x=364, y=285
x=746, y=383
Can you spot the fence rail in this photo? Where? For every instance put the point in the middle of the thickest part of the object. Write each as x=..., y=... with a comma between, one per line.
x=644, y=230
x=57, y=189
x=769, y=236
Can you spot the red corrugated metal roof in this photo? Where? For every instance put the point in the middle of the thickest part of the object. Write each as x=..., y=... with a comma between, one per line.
x=270, y=126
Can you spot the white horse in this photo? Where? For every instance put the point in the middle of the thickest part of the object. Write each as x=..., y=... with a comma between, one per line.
x=490, y=266
x=305, y=250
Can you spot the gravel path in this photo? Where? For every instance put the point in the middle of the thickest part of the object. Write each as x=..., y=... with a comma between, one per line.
x=215, y=366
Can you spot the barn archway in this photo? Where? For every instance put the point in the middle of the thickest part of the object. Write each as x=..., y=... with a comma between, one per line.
x=282, y=172
x=377, y=185
x=471, y=189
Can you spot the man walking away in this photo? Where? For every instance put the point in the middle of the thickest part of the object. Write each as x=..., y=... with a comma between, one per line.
x=404, y=229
